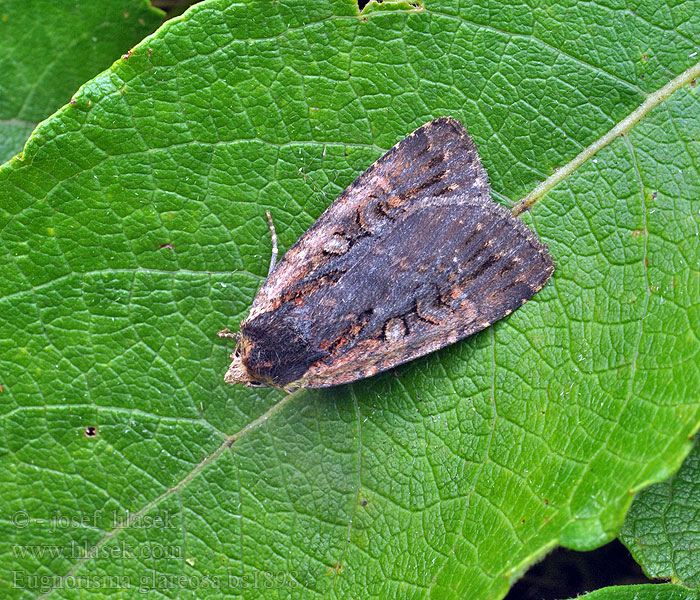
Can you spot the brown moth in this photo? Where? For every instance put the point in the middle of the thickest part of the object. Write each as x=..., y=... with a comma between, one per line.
x=413, y=256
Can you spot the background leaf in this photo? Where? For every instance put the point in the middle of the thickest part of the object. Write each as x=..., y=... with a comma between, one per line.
x=134, y=230
x=662, y=528
x=642, y=592
x=48, y=49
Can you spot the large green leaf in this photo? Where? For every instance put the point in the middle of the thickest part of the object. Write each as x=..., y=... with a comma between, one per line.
x=48, y=49
x=135, y=228
x=662, y=527
x=642, y=592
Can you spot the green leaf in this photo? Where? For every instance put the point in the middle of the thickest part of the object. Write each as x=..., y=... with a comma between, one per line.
x=662, y=528
x=642, y=592
x=48, y=49
x=387, y=5
x=134, y=230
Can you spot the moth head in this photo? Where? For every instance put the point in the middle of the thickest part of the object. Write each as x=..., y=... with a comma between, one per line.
x=237, y=372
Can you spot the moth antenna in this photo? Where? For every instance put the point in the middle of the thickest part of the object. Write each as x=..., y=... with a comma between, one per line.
x=273, y=235
x=226, y=333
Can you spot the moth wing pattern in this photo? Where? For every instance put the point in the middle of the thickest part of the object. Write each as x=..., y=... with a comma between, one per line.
x=412, y=256
x=504, y=267
x=415, y=168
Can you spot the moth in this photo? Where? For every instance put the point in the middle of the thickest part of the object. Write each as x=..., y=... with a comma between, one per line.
x=413, y=256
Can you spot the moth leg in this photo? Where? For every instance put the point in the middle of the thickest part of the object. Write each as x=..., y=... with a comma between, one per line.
x=292, y=387
x=273, y=235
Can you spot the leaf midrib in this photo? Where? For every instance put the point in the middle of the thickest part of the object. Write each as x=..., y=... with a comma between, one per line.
x=134, y=517
x=623, y=127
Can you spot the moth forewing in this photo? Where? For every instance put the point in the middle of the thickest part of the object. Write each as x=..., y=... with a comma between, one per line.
x=414, y=255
